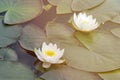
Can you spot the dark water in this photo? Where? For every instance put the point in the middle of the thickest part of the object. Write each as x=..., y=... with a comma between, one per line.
x=24, y=56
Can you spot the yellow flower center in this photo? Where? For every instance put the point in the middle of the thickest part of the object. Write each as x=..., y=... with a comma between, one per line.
x=50, y=53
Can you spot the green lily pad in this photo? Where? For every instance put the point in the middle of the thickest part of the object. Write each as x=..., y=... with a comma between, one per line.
x=53, y=2
x=79, y=5
x=8, y=54
x=116, y=32
x=116, y=19
x=61, y=33
x=62, y=6
x=14, y=71
x=112, y=75
x=68, y=73
x=19, y=11
x=8, y=34
x=102, y=53
x=107, y=27
x=57, y=30
x=67, y=6
x=109, y=10
x=32, y=37
x=38, y=79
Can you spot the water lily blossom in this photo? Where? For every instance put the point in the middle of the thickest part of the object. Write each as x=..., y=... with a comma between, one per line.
x=84, y=23
x=49, y=54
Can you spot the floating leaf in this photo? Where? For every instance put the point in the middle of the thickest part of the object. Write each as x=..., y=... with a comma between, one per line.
x=67, y=73
x=66, y=6
x=57, y=30
x=60, y=33
x=79, y=5
x=32, y=37
x=38, y=79
x=14, y=71
x=116, y=32
x=107, y=27
x=85, y=38
x=63, y=6
x=19, y=11
x=53, y=2
x=116, y=19
x=103, y=53
x=8, y=34
x=8, y=54
x=109, y=10
x=112, y=75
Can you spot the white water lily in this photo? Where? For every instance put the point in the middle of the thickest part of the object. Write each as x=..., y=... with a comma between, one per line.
x=84, y=23
x=49, y=54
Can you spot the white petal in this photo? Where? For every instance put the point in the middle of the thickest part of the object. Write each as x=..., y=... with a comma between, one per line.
x=55, y=45
x=46, y=65
x=80, y=14
x=44, y=44
x=75, y=17
x=56, y=58
x=76, y=20
x=38, y=52
x=47, y=60
x=84, y=22
x=45, y=47
x=61, y=53
x=90, y=17
x=60, y=61
x=50, y=45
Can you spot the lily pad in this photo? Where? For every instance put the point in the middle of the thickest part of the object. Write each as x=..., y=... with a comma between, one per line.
x=102, y=54
x=116, y=19
x=68, y=73
x=38, y=79
x=8, y=54
x=116, y=32
x=53, y=2
x=62, y=6
x=112, y=75
x=67, y=6
x=19, y=11
x=14, y=71
x=8, y=34
x=79, y=5
x=32, y=37
x=109, y=10
x=59, y=32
